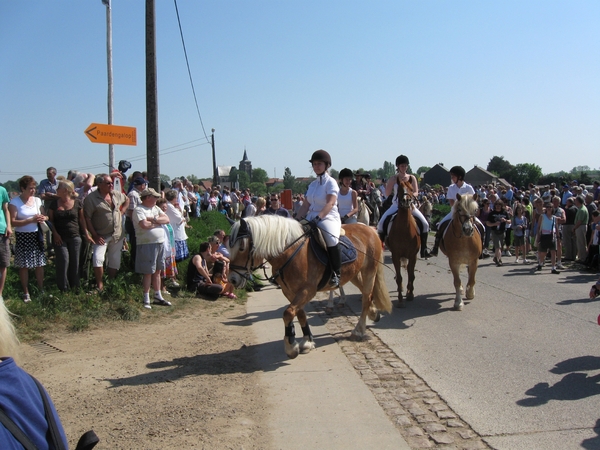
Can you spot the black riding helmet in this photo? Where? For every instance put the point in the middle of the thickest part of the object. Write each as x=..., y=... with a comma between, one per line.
x=402, y=159
x=321, y=155
x=366, y=175
x=459, y=172
x=345, y=173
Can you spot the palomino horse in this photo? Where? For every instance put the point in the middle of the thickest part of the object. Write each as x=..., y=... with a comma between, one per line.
x=404, y=241
x=284, y=244
x=363, y=215
x=462, y=245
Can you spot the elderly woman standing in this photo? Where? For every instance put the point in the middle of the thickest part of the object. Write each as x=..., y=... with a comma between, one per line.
x=320, y=207
x=68, y=225
x=26, y=211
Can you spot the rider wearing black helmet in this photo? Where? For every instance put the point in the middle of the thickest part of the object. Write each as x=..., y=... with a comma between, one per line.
x=458, y=186
x=320, y=207
x=347, y=201
x=391, y=188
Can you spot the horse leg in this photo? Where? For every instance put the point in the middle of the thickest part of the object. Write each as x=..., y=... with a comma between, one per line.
x=307, y=343
x=330, y=304
x=458, y=301
x=471, y=270
x=368, y=308
x=342, y=301
x=398, y=267
x=410, y=268
x=292, y=349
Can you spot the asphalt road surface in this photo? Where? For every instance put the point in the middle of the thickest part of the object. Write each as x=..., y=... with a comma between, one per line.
x=520, y=364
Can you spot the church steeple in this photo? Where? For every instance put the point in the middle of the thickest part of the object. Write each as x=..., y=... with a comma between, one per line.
x=246, y=164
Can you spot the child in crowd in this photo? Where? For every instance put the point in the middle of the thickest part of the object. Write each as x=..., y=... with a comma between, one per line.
x=520, y=225
x=170, y=272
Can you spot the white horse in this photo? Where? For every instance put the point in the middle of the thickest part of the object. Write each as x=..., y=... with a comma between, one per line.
x=363, y=215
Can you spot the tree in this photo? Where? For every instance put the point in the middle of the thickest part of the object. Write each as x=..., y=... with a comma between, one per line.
x=243, y=180
x=193, y=179
x=258, y=188
x=387, y=171
x=500, y=167
x=523, y=174
x=259, y=176
x=11, y=186
x=423, y=169
x=288, y=179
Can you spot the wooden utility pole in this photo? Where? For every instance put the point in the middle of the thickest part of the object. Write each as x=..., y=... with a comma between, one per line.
x=152, y=161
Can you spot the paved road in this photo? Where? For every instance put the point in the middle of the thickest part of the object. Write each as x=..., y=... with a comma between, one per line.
x=520, y=364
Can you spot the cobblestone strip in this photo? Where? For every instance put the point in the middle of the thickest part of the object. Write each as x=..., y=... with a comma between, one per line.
x=422, y=417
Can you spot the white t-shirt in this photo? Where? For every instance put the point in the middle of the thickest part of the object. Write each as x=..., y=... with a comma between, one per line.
x=155, y=235
x=466, y=188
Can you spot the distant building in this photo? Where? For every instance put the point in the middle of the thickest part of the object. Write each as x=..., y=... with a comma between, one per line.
x=438, y=174
x=479, y=176
x=246, y=165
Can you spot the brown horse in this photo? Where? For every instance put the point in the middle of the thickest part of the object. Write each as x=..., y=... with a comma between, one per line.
x=284, y=244
x=404, y=241
x=462, y=245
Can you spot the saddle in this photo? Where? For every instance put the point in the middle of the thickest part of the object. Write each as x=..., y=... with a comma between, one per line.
x=387, y=224
x=319, y=248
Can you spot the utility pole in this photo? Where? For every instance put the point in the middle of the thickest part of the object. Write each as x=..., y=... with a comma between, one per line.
x=152, y=162
x=111, y=151
x=215, y=173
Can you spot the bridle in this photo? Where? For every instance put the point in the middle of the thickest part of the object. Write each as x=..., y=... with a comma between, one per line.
x=466, y=223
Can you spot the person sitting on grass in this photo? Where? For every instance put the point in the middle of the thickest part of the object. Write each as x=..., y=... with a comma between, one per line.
x=199, y=278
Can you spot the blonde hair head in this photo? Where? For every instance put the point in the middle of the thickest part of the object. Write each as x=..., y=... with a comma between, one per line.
x=68, y=185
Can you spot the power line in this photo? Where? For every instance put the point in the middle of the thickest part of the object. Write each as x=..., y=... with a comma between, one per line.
x=188, y=69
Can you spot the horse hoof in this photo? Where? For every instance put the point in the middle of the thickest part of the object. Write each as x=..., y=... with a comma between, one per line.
x=458, y=307
x=401, y=304
x=377, y=317
x=306, y=346
x=292, y=350
x=410, y=297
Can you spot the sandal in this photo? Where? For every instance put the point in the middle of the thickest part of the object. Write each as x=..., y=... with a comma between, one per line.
x=161, y=302
x=26, y=298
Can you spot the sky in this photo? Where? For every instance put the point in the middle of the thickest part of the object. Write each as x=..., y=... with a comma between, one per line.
x=452, y=82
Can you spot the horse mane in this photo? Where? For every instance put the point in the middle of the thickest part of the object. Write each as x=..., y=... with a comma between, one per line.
x=465, y=202
x=271, y=234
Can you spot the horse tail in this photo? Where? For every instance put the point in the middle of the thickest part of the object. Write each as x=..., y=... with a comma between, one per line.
x=381, y=295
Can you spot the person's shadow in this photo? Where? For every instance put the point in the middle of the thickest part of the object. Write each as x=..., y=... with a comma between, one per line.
x=575, y=385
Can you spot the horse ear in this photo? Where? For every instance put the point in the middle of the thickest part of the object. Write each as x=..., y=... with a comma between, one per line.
x=244, y=229
x=458, y=196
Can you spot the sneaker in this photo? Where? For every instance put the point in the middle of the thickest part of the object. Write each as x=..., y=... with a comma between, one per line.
x=147, y=305
x=508, y=253
x=174, y=284
x=500, y=263
x=560, y=266
x=26, y=298
x=526, y=261
x=517, y=261
x=538, y=268
x=161, y=302
x=554, y=271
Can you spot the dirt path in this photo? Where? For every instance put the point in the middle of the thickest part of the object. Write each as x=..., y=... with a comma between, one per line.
x=184, y=379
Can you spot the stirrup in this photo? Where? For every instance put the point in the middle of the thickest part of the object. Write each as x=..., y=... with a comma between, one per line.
x=334, y=281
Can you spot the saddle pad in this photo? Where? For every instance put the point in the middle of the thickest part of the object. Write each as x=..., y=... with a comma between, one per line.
x=347, y=250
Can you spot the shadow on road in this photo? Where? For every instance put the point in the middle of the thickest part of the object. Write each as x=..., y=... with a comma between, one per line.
x=573, y=386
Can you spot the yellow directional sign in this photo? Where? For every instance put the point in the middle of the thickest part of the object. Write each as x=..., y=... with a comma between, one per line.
x=100, y=133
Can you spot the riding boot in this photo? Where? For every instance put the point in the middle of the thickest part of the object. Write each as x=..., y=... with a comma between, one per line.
x=424, y=252
x=481, y=229
x=335, y=262
x=436, y=244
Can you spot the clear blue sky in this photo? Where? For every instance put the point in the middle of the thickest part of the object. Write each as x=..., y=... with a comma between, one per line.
x=456, y=82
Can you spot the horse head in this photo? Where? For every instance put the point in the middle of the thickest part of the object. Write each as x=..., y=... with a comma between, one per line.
x=240, y=249
x=465, y=210
x=405, y=195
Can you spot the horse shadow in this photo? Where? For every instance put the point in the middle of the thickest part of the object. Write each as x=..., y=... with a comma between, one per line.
x=575, y=385
x=263, y=357
x=404, y=318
